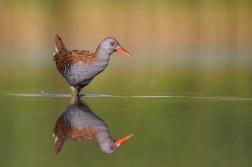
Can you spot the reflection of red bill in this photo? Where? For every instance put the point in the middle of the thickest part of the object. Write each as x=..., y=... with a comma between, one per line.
x=123, y=140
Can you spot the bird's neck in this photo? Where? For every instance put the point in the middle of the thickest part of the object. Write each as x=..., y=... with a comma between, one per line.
x=103, y=53
x=103, y=138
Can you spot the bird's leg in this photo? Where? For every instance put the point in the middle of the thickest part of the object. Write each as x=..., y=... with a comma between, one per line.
x=72, y=90
x=78, y=91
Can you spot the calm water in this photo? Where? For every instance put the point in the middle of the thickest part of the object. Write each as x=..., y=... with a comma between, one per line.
x=168, y=131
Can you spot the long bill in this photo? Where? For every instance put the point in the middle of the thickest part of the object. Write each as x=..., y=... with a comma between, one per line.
x=120, y=49
x=123, y=140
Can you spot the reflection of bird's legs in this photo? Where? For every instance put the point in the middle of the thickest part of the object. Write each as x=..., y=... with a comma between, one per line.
x=72, y=100
x=72, y=90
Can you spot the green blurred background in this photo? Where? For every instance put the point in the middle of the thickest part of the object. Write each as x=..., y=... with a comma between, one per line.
x=199, y=50
x=191, y=45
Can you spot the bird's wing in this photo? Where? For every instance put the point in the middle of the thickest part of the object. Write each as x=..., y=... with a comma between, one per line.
x=63, y=59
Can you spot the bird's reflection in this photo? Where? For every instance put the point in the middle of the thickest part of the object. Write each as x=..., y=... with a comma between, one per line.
x=78, y=122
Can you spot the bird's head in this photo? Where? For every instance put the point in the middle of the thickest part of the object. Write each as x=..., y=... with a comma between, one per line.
x=112, y=146
x=111, y=45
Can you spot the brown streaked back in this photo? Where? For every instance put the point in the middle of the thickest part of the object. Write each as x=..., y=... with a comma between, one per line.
x=63, y=132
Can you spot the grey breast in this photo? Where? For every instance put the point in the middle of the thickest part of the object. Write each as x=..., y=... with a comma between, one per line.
x=81, y=117
x=82, y=74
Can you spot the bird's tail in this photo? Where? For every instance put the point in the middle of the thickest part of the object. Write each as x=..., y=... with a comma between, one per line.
x=59, y=45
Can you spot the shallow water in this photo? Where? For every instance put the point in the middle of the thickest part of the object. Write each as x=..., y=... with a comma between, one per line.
x=168, y=130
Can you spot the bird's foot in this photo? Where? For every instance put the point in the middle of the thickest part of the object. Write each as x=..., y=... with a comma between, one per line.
x=80, y=94
x=44, y=93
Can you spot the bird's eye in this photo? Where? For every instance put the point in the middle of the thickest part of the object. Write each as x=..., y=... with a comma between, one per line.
x=111, y=148
x=112, y=43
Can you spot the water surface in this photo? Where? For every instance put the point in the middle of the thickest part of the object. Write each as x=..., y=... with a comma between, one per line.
x=174, y=131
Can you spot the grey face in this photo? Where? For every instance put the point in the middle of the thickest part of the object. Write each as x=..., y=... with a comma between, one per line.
x=109, y=44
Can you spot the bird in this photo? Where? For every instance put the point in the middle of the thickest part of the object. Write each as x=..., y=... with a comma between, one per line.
x=79, y=67
x=79, y=122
